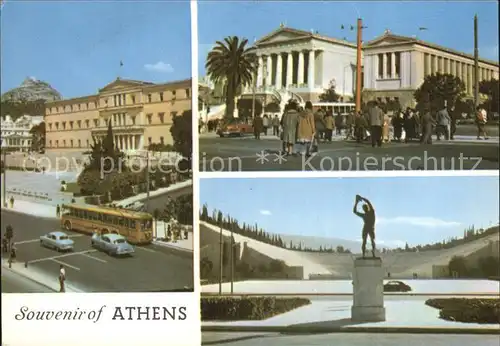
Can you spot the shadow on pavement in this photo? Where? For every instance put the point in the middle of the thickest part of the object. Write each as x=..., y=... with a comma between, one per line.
x=320, y=327
x=229, y=339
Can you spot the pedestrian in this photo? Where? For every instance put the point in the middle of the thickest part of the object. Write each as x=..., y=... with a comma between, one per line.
x=289, y=122
x=5, y=244
x=481, y=120
x=12, y=255
x=276, y=125
x=329, y=125
x=453, y=126
x=428, y=124
x=360, y=126
x=338, y=124
x=11, y=202
x=349, y=123
x=397, y=124
x=443, y=122
x=386, y=131
x=265, y=124
x=62, y=279
x=319, y=123
x=257, y=126
x=306, y=129
x=58, y=210
x=376, y=116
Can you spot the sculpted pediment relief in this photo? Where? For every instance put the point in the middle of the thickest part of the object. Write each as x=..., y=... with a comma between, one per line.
x=388, y=40
x=121, y=84
x=282, y=35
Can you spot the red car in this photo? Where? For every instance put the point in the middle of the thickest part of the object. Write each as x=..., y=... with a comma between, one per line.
x=235, y=128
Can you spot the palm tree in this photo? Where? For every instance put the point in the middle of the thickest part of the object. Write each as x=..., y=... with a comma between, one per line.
x=232, y=62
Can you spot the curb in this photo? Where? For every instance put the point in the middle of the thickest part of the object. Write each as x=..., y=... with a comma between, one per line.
x=4, y=267
x=212, y=294
x=163, y=244
x=327, y=330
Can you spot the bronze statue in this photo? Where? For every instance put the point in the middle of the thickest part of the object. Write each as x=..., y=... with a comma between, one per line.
x=368, y=222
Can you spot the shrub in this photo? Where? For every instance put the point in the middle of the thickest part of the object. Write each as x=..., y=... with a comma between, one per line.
x=473, y=310
x=247, y=308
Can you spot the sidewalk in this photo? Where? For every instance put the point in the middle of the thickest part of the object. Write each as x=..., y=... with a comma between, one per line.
x=34, y=209
x=160, y=191
x=335, y=316
x=43, y=279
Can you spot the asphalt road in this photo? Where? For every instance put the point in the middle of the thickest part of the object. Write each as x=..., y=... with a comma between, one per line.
x=248, y=154
x=348, y=298
x=351, y=339
x=15, y=283
x=151, y=268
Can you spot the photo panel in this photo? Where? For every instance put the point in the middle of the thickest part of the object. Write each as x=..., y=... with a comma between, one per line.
x=97, y=183
x=309, y=257
x=344, y=86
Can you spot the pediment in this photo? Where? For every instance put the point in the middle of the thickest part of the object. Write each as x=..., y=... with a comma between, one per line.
x=282, y=35
x=119, y=84
x=386, y=40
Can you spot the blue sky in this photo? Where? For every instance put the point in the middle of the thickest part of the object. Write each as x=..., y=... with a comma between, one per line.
x=418, y=210
x=449, y=23
x=77, y=46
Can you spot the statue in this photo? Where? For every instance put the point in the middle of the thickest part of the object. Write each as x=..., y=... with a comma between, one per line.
x=368, y=222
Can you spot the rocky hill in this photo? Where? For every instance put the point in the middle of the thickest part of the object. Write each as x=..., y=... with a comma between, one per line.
x=32, y=90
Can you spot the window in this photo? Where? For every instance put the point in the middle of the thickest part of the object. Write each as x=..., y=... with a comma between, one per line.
x=150, y=141
x=79, y=107
x=398, y=64
x=79, y=143
x=161, y=97
x=173, y=115
x=50, y=126
x=150, y=98
x=71, y=142
x=188, y=93
x=96, y=122
x=95, y=104
x=64, y=125
x=174, y=94
x=87, y=122
x=161, y=116
x=150, y=118
x=88, y=144
x=50, y=144
x=133, y=98
x=115, y=98
x=57, y=125
x=380, y=66
x=162, y=141
x=132, y=118
x=79, y=123
x=64, y=143
x=71, y=125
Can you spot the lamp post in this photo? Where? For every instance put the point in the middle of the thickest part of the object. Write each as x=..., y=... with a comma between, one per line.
x=264, y=79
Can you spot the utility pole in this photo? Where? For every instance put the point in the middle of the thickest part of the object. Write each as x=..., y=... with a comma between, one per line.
x=231, y=257
x=220, y=261
x=358, y=65
x=476, y=66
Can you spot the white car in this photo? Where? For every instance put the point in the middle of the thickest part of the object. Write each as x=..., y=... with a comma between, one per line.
x=57, y=240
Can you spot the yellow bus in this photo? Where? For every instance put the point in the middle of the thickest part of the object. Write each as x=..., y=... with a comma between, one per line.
x=136, y=227
x=335, y=107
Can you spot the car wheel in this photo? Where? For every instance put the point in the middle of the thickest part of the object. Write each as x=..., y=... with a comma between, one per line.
x=67, y=225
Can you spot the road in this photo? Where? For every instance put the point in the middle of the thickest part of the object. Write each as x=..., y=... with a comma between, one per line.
x=248, y=154
x=151, y=268
x=392, y=297
x=351, y=339
x=15, y=283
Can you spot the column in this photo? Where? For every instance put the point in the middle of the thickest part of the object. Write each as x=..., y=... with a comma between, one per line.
x=260, y=70
x=384, y=65
x=469, y=85
x=441, y=65
x=393, y=65
x=269, y=70
x=428, y=64
x=457, y=68
x=447, y=65
x=300, y=74
x=129, y=142
x=435, y=67
x=279, y=71
x=116, y=141
x=464, y=73
x=311, y=74
x=289, y=69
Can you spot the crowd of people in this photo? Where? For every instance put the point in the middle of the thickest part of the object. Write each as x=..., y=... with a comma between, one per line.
x=301, y=129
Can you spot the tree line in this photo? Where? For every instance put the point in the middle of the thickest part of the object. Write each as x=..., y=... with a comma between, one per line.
x=217, y=218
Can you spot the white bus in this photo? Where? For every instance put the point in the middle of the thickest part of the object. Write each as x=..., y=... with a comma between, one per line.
x=335, y=107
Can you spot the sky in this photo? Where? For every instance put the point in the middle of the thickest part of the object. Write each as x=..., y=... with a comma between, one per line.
x=77, y=46
x=417, y=210
x=449, y=24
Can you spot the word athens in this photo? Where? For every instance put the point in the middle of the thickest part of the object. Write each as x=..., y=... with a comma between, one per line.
x=62, y=315
x=150, y=313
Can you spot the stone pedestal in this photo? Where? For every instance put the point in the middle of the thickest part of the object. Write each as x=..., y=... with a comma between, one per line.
x=368, y=290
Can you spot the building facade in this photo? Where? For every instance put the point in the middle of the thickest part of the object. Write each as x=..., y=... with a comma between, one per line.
x=301, y=65
x=15, y=134
x=141, y=114
x=395, y=66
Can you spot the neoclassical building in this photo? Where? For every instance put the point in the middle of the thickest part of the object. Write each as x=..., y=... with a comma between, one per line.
x=15, y=134
x=300, y=64
x=395, y=66
x=141, y=114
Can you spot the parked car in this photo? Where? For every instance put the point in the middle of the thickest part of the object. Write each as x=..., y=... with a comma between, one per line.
x=396, y=286
x=57, y=240
x=112, y=244
x=235, y=128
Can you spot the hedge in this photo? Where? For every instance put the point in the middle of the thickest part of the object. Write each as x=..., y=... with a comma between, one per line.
x=247, y=308
x=468, y=310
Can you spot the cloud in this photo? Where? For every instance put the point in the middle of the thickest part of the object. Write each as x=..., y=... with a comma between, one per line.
x=160, y=66
x=265, y=212
x=429, y=222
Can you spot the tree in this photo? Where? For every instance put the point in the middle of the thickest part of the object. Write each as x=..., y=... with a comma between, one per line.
x=38, y=137
x=329, y=94
x=9, y=234
x=206, y=267
x=437, y=89
x=245, y=107
x=182, y=134
x=490, y=88
x=233, y=62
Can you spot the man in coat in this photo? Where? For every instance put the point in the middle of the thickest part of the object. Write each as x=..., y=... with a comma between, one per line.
x=376, y=117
